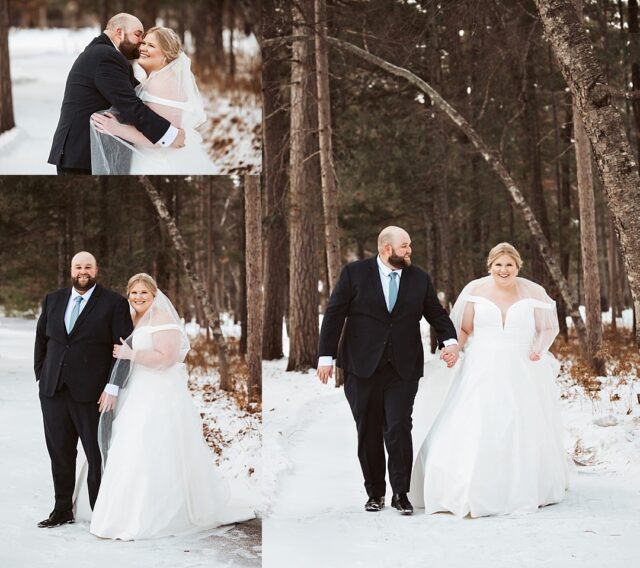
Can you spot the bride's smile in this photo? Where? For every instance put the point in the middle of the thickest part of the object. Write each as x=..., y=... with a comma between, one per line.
x=152, y=57
x=140, y=298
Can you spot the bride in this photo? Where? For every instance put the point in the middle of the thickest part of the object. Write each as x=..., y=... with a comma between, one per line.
x=159, y=477
x=496, y=446
x=170, y=90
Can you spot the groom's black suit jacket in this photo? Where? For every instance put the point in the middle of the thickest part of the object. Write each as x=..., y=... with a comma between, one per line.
x=358, y=298
x=100, y=78
x=82, y=359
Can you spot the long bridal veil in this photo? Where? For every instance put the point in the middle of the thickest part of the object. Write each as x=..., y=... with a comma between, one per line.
x=171, y=346
x=172, y=92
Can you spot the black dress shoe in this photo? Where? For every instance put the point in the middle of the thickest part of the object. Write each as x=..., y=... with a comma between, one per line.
x=56, y=518
x=401, y=502
x=374, y=504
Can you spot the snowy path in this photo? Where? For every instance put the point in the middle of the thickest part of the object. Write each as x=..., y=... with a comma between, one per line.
x=26, y=491
x=316, y=500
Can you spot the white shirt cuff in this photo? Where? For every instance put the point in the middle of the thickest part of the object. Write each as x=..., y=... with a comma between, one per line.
x=448, y=342
x=111, y=389
x=325, y=360
x=169, y=137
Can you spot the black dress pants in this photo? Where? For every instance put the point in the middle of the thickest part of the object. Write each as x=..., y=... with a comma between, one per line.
x=66, y=420
x=382, y=406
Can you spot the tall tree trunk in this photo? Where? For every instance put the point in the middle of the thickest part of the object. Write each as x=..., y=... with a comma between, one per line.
x=303, y=284
x=588, y=246
x=614, y=273
x=275, y=120
x=604, y=126
x=199, y=291
x=253, y=257
x=7, y=121
x=329, y=189
x=588, y=241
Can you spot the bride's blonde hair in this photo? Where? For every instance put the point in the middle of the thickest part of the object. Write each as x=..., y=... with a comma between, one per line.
x=168, y=41
x=147, y=280
x=504, y=248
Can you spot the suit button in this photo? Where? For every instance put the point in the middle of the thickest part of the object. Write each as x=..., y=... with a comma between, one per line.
x=66, y=347
x=390, y=325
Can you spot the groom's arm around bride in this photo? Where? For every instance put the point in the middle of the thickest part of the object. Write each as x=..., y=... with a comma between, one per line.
x=101, y=78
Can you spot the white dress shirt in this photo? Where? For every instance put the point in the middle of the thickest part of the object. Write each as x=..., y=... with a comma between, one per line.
x=383, y=272
x=72, y=303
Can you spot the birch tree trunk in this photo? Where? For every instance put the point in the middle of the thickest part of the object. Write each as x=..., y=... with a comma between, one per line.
x=329, y=189
x=199, y=291
x=253, y=260
x=604, y=126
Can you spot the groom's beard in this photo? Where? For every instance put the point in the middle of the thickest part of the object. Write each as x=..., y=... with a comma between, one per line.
x=129, y=50
x=90, y=283
x=398, y=261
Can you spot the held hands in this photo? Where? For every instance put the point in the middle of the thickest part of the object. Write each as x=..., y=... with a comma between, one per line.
x=450, y=355
x=107, y=402
x=534, y=356
x=324, y=372
x=106, y=123
x=123, y=351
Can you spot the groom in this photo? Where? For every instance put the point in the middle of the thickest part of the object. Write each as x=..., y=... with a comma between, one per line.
x=382, y=300
x=75, y=335
x=101, y=78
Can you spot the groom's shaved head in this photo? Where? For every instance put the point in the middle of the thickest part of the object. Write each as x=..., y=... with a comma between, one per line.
x=391, y=236
x=83, y=257
x=124, y=21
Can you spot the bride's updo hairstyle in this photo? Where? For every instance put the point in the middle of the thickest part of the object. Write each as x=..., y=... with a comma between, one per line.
x=168, y=41
x=147, y=280
x=504, y=248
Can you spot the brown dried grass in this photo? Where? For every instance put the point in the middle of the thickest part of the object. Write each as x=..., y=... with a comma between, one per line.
x=203, y=359
x=619, y=351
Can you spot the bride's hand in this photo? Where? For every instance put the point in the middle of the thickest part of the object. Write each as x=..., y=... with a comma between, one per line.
x=106, y=402
x=122, y=351
x=534, y=356
x=106, y=123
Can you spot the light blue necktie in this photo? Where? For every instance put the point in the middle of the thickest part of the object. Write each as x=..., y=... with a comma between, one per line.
x=393, y=289
x=75, y=313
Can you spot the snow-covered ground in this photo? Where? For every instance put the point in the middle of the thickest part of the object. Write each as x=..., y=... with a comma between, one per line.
x=315, y=495
x=40, y=61
x=26, y=488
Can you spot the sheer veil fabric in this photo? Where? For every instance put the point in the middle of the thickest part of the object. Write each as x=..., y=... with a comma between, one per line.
x=170, y=346
x=171, y=92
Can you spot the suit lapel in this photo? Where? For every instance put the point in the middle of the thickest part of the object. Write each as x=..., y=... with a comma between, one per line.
x=85, y=312
x=59, y=316
x=377, y=284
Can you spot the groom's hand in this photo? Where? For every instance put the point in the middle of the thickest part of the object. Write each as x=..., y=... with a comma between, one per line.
x=324, y=372
x=107, y=402
x=450, y=355
x=179, y=141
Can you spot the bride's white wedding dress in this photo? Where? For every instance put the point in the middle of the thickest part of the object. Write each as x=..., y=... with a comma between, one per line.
x=159, y=475
x=496, y=445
